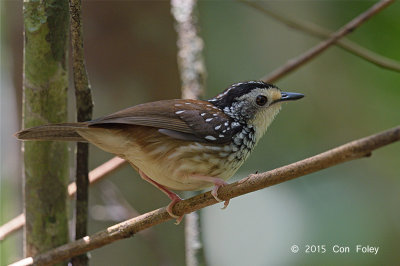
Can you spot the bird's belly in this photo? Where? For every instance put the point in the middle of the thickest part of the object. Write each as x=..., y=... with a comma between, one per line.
x=177, y=168
x=172, y=164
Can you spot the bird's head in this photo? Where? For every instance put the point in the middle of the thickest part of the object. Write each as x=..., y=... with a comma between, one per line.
x=253, y=103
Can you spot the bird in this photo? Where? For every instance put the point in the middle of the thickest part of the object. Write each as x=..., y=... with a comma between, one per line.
x=181, y=144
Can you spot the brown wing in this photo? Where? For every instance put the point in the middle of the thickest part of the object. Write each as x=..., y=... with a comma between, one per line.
x=193, y=120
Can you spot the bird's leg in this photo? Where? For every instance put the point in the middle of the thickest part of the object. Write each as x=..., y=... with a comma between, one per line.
x=218, y=182
x=174, y=197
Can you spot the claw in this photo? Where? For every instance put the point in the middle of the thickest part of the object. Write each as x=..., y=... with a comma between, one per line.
x=218, y=182
x=169, y=209
x=214, y=193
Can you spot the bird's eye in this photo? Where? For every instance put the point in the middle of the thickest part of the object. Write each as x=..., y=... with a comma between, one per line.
x=261, y=100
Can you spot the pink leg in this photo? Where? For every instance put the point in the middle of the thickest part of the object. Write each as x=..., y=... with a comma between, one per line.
x=218, y=182
x=174, y=197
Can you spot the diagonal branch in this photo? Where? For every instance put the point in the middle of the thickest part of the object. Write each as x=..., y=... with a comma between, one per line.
x=298, y=61
x=11, y=226
x=322, y=33
x=353, y=150
x=94, y=176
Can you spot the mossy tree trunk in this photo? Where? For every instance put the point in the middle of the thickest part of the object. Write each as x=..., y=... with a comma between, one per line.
x=45, y=101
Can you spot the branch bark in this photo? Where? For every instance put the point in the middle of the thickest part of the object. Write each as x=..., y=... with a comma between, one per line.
x=322, y=33
x=84, y=109
x=45, y=83
x=298, y=61
x=353, y=150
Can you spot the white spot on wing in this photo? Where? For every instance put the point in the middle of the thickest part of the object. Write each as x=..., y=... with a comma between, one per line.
x=217, y=127
x=210, y=138
x=179, y=112
x=209, y=119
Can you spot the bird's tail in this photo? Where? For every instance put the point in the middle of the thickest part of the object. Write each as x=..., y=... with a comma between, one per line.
x=61, y=131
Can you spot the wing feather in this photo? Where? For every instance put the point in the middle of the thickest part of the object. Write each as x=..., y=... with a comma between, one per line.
x=199, y=120
x=154, y=114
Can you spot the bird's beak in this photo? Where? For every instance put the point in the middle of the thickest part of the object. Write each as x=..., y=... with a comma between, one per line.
x=290, y=96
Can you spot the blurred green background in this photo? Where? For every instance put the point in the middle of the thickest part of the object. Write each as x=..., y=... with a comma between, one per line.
x=131, y=58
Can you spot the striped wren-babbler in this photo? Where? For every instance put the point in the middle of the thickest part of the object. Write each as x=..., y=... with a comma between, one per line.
x=181, y=144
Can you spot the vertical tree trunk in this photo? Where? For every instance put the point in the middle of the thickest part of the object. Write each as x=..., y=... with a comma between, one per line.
x=193, y=77
x=45, y=101
x=84, y=110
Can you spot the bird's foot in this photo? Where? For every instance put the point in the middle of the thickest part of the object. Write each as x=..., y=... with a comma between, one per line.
x=218, y=182
x=174, y=197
